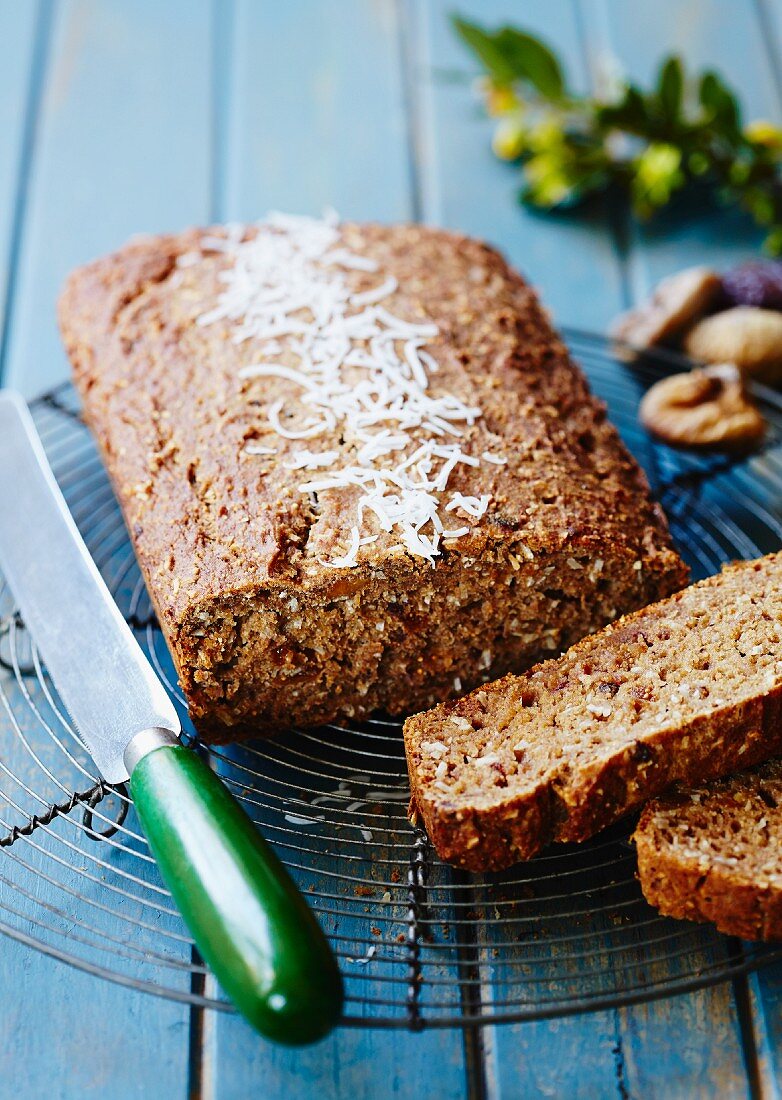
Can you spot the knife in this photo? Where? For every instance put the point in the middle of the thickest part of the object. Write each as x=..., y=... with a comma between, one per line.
x=248, y=919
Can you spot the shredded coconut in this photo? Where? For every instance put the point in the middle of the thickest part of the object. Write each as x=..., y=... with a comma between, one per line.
x=257, y=449
x=286, y=283
x=309, y=460
x=473, y=506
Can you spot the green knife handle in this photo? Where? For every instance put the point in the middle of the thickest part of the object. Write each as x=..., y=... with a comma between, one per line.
x=249, y=920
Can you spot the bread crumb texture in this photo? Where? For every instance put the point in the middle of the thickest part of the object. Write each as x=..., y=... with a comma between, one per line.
x=714, y=853
x=681, y=691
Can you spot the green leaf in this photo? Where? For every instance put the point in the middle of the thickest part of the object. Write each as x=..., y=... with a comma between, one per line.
x=720, y=103
x=563, y=173
x=773, y=242
x=629, y=113
x=698, y=163
x=670, y=88
x=657, y=176
x=533, y=61
x=509, y=54
x=484, y=45
x=760, y=204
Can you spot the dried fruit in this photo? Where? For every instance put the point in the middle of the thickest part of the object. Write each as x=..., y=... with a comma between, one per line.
x=676, y=301
x=755, y=283
x=749, y=337
x=703, y=408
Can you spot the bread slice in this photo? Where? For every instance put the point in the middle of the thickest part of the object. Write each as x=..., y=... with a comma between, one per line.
x=714, y=853
x=315, y=544
x=687, y=689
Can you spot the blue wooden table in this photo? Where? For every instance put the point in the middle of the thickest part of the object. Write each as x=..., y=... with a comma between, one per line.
x=127, y=116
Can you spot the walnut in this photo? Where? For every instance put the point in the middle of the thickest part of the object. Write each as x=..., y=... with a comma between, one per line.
x=675, y=303
x=703, y=408
x=746, y=335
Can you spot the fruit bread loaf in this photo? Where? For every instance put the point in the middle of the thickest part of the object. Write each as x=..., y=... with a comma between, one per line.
x=358, y=467
x=714, y=853
x=687, y=689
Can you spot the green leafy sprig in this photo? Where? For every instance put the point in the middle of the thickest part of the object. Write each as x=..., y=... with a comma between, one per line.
x=651, y=145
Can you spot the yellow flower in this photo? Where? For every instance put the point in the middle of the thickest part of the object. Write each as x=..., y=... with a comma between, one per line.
x=657, y=175
x=508, y=140
x=764, y=133
x=547, y=179
x=546, y=134
x=498, y=98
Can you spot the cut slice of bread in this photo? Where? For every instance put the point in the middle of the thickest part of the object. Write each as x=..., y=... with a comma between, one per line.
x=714, y=853
x=687, y=689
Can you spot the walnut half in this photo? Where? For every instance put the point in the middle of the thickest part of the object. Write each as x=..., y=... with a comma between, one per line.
x=703, y=408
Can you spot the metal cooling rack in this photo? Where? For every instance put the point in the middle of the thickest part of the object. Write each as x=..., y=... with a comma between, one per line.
x=420, y=944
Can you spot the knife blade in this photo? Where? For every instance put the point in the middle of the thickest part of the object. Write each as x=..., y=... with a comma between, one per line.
x=100, y=671
x=247, y=917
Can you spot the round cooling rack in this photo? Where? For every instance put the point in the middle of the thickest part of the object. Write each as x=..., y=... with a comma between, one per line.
x=419, y=943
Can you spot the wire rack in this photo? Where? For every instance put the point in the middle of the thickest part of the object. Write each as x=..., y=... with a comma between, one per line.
x=420, y=944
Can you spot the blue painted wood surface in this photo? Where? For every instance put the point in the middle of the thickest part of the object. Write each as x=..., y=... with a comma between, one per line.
x=19, y=35
x=122, y=146
x=127, y=116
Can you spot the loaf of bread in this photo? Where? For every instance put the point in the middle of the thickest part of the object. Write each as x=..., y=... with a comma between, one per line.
x=714, y=853
x=684, y=690
x=358, y=467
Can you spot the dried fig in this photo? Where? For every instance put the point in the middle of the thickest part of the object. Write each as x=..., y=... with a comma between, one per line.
x=676, y=301
x=745, y=335
x=703, y=408
x=754, y=283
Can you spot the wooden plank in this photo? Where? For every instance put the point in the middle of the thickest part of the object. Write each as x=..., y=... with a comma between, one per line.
x=572, y=260
x=765, y=987
x=699, y=1035
x=364, y=1064
x=313, y=113
x=68, y=1034
x=316, y=111
x=588, y=295
x=362, y=903
x=98, y=901
x=765, y=995
x=17, y=85
x=123, y=147
x=707, y=33
x=580, y=275
x=62, y=1026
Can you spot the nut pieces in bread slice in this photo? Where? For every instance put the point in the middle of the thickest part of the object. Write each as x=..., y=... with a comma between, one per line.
x=714, y=853
x=687, y=689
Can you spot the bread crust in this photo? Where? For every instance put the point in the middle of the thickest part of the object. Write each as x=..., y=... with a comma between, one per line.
x=262, y=633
